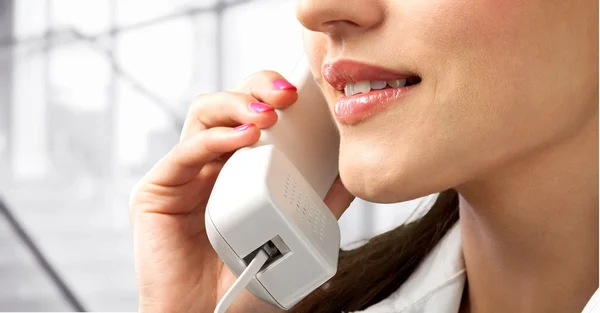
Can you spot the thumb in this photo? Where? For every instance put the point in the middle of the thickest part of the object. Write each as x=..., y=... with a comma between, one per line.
x=338, y=198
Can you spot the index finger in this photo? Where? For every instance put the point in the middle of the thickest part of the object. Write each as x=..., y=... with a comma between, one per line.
x=186, y=159
x=271, y=88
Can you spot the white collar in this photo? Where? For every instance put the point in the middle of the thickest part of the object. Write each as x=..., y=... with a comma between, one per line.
x=436, y=286
x=593, y=305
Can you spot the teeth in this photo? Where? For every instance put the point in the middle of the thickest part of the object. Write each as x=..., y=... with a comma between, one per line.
x=378, y=84
x=352, y=89
x=349, y=89
x=397, y=83
x=362, y=87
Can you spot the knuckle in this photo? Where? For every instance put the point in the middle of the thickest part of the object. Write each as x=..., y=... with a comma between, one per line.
x=260, y=76
x=136, y=197
x=243, y=97
x=267, y=73
x=198, y=102
x=181, y=149
x=206, y=103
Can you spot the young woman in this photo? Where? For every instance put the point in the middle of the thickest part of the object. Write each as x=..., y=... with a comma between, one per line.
x=492, y=103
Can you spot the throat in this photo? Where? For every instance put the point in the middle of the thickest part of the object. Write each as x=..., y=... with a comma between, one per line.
x=518, y=268
x=530, y=230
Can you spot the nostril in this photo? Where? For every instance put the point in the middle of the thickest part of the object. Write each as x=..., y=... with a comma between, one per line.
x=343, y=26
x=338, y=27
x=339, y=23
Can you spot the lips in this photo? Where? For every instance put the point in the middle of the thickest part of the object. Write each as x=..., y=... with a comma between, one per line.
x=341, y=72
x=378, y=88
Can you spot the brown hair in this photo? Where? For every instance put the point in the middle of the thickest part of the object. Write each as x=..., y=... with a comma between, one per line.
x=372, y=272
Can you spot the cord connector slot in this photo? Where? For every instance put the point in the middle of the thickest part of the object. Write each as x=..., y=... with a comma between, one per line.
x=271, y=249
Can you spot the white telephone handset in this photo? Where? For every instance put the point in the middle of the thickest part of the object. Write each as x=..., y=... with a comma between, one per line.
x=266, y=218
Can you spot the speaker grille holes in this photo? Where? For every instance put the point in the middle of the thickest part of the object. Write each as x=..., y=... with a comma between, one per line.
x=297, y=199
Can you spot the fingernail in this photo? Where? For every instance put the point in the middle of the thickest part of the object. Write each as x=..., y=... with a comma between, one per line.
x=243, y=127
x=260, y=107
x=281, y=84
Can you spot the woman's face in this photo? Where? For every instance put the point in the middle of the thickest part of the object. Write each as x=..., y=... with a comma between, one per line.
x=499, y=80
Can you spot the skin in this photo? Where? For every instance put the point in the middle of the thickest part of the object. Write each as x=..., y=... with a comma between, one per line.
x=492, y=118
x=506, y=113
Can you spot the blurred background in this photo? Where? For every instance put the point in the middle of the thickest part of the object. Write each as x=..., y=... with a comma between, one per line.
x=92, y=93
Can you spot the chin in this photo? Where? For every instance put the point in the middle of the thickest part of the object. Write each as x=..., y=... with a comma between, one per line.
x=372, y=176
x=377, y=172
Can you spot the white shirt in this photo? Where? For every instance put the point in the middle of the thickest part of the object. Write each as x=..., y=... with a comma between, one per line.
x=438, y=283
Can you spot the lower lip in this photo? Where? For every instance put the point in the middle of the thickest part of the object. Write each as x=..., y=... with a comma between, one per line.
x=351, y=110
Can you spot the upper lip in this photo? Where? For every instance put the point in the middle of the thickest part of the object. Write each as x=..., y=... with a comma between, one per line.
x=341, y=72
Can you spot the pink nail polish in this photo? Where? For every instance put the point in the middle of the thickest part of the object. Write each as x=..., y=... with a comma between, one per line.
x=281, y=84
x=260, y=107
x=243, y=127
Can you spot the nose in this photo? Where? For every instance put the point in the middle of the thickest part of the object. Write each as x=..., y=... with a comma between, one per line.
x=340, y=17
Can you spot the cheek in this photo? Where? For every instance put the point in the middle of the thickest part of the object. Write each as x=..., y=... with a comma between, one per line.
x=467, y=50
x=449, y=29
x=495, y=89
x=498, y=63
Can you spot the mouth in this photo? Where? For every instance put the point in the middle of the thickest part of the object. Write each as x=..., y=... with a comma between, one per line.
x=364, y=89
x=368, y=86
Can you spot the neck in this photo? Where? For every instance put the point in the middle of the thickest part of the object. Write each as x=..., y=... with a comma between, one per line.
x=530, y=231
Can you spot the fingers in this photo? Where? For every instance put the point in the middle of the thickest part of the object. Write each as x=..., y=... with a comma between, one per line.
x=252, y=102
x=227, y=109
x=338, y=199
x=270, y=87
x=183, y=163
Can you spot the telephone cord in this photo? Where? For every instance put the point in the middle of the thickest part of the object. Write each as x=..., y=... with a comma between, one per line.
x=243, y=280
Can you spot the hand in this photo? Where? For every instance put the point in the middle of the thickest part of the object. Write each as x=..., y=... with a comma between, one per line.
x=177, y=269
